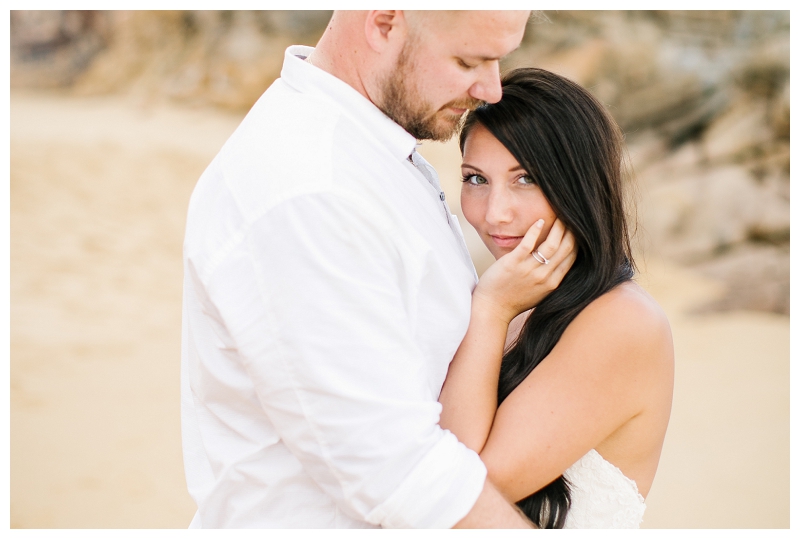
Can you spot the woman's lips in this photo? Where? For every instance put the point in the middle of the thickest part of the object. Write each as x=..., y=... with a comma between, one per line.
x=505, y=241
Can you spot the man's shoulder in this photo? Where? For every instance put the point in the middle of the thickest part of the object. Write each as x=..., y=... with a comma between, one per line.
x=285, y=119
x=282, y=148
x=291, y=148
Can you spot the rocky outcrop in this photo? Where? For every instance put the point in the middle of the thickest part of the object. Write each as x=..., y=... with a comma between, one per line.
x=703, y=99
x=221, y=58
x=702, y=96
x=51, y=49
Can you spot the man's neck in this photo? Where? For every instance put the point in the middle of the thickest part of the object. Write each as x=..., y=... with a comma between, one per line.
x=329, y=56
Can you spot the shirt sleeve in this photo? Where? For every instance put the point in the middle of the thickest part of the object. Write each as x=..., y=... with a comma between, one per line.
x=316, y=298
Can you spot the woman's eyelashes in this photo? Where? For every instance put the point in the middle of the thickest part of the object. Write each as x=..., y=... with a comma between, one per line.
x=474, y=179
x=477, y=179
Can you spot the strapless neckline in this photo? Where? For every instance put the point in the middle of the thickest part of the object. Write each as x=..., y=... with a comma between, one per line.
x=597, y=456
x=602, y=496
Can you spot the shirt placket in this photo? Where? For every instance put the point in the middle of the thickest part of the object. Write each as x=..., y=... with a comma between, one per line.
x=430, y=174
x=433, y=179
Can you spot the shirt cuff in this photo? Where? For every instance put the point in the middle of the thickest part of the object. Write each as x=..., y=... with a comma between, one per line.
x=438, y=492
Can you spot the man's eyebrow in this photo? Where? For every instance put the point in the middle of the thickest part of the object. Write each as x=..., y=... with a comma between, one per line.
x=483, y=58
x=490, y=58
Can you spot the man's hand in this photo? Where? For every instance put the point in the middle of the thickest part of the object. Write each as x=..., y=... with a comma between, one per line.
x=492, y=510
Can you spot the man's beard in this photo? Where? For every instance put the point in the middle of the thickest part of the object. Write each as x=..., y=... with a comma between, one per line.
x=401, y=102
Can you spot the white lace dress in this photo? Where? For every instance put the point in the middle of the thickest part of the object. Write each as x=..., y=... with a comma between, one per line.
x=602, y=496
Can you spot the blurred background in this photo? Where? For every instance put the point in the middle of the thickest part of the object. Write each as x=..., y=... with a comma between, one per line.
x=114, y=116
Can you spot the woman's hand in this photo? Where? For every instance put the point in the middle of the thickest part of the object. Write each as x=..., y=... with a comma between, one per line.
x=513, y=284
x=517, y=281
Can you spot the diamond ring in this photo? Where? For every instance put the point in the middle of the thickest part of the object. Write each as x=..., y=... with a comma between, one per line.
x=539, y=257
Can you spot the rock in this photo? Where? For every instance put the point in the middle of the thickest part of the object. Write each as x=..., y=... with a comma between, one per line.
x=692, y=120
x=655, y=103
x=664, y=211
x=678, y=163
x=703, y=98
x=50, y=49
x=779, y=115
x=224, y=58
x=773, y=222
x=644, y=149
x=739, y=133
x=764, y=69
x=581, y=64
x=692, y=218
x=757, y=278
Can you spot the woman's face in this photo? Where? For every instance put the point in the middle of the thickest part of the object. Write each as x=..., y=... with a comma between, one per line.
x=498, y=198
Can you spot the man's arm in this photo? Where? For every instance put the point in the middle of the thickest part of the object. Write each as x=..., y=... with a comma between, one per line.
x=491, y=510
x=316, y=300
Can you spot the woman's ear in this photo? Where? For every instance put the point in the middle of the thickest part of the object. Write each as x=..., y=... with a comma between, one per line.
x=382, y=29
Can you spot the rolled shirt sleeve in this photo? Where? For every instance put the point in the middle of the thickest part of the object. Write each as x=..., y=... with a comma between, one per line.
x=318, y=298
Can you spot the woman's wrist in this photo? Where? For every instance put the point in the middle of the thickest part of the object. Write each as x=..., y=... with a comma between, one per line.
x=487, y=311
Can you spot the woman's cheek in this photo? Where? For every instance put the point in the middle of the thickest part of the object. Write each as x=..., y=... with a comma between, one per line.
x=469, y=207
x=544, y=211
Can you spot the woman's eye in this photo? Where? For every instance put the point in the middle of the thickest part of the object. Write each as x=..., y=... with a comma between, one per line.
x=526, y=180
x=474, y=179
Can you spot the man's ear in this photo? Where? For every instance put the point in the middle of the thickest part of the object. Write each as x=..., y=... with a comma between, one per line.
x=383, y=28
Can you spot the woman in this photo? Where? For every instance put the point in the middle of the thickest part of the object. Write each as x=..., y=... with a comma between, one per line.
x=567, y=404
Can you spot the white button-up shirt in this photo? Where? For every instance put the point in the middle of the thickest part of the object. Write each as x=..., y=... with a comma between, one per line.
x=326, y=290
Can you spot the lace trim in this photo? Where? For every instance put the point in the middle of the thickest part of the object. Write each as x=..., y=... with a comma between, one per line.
x=602, y=496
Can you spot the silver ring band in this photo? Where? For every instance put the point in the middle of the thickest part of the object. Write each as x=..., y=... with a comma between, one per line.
x=539, y=257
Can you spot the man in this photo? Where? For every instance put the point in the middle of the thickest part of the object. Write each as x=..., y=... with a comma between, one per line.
x=327, y=287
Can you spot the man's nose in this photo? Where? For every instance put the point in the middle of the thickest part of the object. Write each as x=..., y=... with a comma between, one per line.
x=487, y=87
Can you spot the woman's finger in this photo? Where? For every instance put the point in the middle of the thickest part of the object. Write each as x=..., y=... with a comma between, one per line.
x=564, y=248
x=530, y=238
x=549, y=247
x=553, y=239
x=564, y=265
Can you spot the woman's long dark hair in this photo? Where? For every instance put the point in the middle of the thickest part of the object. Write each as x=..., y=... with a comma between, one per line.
x=572, y=148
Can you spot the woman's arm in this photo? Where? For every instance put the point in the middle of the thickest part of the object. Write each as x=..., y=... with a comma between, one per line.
x=512, y=285
x=469, y=394
x=607, y=383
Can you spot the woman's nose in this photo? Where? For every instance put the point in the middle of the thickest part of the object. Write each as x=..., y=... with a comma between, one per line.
x=499, y=208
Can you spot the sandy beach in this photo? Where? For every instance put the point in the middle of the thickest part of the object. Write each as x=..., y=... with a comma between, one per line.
x=99, y=191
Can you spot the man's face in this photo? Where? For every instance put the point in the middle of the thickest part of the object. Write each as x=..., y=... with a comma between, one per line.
x=447, y=67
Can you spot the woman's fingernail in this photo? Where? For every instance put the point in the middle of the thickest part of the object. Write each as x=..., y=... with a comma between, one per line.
x=540, y=223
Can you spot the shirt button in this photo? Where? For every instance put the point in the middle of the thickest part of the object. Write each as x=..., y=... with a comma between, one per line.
x=441, y=196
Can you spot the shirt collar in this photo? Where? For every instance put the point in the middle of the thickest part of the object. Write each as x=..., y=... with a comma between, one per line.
x=306, y=78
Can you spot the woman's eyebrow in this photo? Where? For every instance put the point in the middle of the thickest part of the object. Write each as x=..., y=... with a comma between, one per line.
x=516, y=168
x=467, y=165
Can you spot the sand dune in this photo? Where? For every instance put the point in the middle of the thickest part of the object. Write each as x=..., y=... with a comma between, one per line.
x=99, y=189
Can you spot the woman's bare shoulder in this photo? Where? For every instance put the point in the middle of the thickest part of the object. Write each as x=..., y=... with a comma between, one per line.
x=628, y=319
x=632, y=302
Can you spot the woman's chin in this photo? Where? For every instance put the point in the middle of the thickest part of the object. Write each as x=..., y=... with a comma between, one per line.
x=497, y=252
